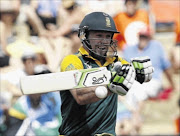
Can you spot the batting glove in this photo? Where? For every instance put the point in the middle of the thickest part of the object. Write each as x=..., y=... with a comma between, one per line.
x=122, y=79
x=143, y=68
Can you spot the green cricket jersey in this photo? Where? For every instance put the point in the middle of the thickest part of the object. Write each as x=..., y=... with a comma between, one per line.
x=87, y=120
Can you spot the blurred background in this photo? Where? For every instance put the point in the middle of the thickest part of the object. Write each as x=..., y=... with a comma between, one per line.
x=39, y=33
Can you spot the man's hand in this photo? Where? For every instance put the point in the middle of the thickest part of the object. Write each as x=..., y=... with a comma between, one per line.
x=143, y=68
x=122, y=79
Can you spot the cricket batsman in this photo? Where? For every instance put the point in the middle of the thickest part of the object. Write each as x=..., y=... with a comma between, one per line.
x=83, y=113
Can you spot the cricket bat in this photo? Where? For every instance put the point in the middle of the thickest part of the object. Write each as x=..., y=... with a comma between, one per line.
x=64, y=80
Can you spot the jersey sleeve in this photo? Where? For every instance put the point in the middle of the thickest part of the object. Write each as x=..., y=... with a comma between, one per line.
x=71, y=62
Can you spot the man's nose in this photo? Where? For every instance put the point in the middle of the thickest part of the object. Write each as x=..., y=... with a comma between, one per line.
x=105, y=41
x=102, y=40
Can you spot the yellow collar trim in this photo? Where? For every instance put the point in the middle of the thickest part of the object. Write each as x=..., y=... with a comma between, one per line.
x=86, y=54
x=83, y=51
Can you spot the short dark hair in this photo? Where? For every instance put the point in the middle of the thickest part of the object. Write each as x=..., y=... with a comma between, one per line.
x=135, y=1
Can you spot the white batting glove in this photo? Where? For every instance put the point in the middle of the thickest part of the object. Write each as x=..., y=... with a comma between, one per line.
x=143, y=68
x=122, y=79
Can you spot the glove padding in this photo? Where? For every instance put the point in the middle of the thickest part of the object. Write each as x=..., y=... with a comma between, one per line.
x=122, y=79
x=143, y=68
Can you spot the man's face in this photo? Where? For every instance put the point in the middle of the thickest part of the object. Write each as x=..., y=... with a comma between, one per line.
x=143, y=41
x=131, y=8
x=100, y=41
x=29, y=65
x=35, y=100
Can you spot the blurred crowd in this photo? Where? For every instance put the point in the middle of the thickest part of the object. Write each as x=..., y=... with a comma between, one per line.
x=35, y=35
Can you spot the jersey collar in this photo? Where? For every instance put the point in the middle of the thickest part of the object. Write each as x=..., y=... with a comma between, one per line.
x=86, y=54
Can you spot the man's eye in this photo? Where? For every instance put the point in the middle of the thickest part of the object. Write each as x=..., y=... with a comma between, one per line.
x=108, y=37
x=98, y=35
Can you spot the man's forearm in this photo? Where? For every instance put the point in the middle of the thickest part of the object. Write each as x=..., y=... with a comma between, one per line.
x=86, y=95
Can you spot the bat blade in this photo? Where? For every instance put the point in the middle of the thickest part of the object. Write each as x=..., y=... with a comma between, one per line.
x=64, y=80
x=48, y=82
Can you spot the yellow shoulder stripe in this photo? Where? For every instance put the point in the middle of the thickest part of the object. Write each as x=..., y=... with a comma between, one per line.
x=16, y=114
